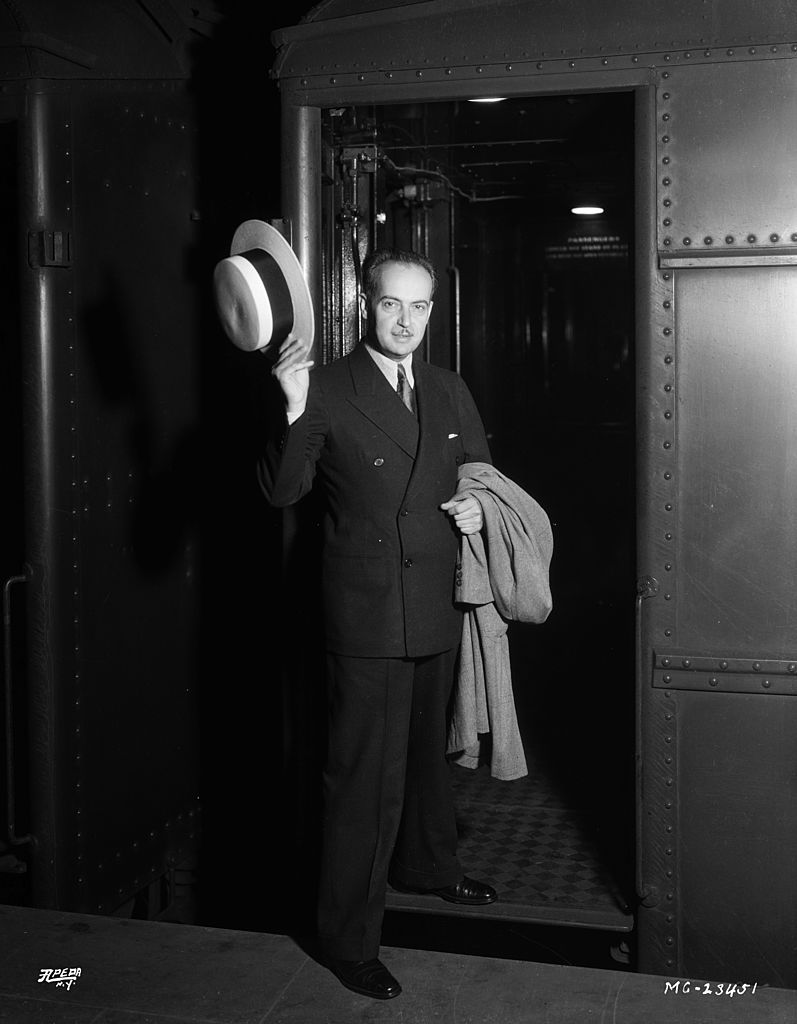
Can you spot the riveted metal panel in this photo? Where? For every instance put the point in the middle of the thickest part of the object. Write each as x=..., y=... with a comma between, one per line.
x=449, y=33
x=111, y=402
x=737, y=830
x=737, y=476
x=726, y=154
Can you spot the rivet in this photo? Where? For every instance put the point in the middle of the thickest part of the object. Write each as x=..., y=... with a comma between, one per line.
x=723, y=665
x=729, y=53
x=706, y=53
x=687, y=663
x=668, y=803
x=668, y=597
x=388, y=74
x=773, y=49
x=751, y=239
x=667, y=202
x=665, y=139
x=668, y=536
x=687, y=55
x=668, y=567
x=668, y=414
x=729, y=239
x=449, y=71
x=333, y=81
x=508, y=67
x=360, y=78
x=668, y=507
x=670, y=783
x=665, y=160
x=794, y=237
x=713, y=681
x=687, y=241
x=539, y=66
x=666, y=182
x=479, y=70
x=665, y=117
x=794, y=47
x=667, y=332
x=668, y=851
x=666, y=74
x=667, y=56
x=668, y=739
x=667, y=304
x=708, y=240
x=667, y=222
x=669, y=874
x=669, y=940
x=667, y=241
x=756, y=666
x=572, y=64
x=667, y=276
x=667, y=445
x=665, y=662
x=668, y=388
x=668, y=679
x=635, y=60
x=671, y=963
x=668, y=632
x=419, y=74
x=604, y=62
x=766, y=683
x=774, y=238
x=791, y=668
x=751, y=50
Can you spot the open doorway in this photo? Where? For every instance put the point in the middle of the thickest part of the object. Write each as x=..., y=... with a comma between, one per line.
x=535, y=309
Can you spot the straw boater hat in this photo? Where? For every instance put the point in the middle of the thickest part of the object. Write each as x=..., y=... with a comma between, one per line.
x=260, y=290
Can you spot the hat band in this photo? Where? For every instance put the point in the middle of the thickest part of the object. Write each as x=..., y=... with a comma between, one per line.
x=277, y=290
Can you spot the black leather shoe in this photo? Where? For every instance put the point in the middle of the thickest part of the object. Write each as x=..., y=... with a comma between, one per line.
x=468, y=891
x=368, y=977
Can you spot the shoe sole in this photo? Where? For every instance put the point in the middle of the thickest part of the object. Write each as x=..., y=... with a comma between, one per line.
x=466, y=903
x=367, y=992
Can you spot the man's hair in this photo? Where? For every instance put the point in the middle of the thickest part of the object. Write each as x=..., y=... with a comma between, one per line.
x=373, y=263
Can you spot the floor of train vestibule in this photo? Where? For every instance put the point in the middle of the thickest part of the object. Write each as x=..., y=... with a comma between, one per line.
x=143, y=972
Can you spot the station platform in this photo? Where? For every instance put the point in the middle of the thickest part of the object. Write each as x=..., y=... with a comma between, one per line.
x=142, y=972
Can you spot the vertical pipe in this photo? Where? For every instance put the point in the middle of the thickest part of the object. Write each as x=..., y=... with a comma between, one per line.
x=301, y=194
x=37, y=301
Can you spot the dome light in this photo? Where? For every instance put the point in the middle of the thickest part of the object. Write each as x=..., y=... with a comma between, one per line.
x=587, y=211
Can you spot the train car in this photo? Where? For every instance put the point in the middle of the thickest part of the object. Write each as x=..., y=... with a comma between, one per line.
x=634, y=365
x=607, y=191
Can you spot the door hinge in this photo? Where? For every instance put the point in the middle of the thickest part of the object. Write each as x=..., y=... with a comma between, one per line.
x=50, y=248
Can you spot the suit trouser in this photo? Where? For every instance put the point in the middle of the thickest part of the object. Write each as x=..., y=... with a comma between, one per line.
x=388, y=806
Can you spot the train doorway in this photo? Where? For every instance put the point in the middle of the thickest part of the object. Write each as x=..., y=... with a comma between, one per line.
x=535, y=309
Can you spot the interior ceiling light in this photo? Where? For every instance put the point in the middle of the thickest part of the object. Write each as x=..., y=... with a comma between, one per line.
x=587, y=211
x=487, y=99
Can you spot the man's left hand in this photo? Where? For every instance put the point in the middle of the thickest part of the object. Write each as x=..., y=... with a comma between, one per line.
x=465, y=511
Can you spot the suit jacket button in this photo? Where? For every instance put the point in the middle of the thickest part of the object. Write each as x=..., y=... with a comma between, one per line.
x=407, y=563
x=379, y=462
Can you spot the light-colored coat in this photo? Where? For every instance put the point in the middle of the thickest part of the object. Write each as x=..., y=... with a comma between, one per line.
x=504, y=577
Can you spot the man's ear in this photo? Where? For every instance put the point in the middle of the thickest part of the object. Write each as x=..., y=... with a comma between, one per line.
x=430, y=309
x=363, y=306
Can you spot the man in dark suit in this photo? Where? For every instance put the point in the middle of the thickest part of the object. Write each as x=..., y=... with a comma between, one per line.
x=384, y=434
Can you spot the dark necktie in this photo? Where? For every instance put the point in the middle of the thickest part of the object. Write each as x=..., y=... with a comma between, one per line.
x=404, y=390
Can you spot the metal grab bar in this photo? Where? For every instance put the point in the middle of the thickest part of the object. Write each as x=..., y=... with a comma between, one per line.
x=13, y=838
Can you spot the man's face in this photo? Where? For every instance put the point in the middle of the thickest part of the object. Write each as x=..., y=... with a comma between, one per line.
x=398, y=317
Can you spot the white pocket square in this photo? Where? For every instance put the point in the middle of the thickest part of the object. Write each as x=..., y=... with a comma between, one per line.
x=452, y=435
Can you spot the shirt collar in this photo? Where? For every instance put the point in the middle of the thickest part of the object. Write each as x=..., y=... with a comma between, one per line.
x=389, y=366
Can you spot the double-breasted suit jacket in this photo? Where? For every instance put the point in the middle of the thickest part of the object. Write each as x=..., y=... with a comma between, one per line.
x=390, y=552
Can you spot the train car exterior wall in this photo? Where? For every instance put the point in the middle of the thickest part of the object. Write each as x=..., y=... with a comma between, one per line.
x=716, y=298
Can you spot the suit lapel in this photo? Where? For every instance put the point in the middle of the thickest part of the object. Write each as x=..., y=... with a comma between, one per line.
x=375, y=399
